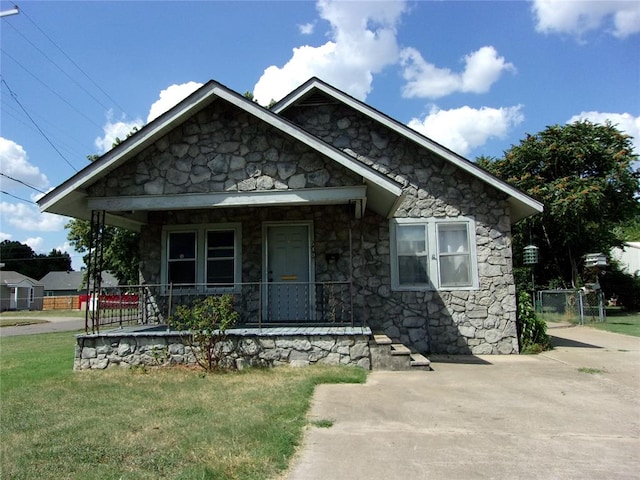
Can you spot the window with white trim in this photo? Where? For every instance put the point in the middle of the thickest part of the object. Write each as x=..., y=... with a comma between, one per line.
x=428, y=254
x=208, y=256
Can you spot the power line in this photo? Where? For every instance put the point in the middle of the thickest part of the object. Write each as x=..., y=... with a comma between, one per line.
x=89, y=119
x=22, y=182
x=75, y=64
x=15, y=97
x=15, y=196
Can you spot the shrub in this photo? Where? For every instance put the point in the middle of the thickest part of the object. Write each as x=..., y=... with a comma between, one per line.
x=207, y=321
x=533, y=330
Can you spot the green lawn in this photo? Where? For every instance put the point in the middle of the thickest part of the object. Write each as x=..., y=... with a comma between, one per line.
x=618, y=321
x=42, y=313
x=147, y=424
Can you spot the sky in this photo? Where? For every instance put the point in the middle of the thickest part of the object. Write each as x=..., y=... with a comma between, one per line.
x=475, y=76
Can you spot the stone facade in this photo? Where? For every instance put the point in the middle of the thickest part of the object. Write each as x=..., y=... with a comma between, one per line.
x=242, y=349
x=224, y=149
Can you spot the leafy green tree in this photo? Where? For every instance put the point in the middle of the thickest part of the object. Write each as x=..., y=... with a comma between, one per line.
x=121, y=255
x=583, y=174
x=20, y=258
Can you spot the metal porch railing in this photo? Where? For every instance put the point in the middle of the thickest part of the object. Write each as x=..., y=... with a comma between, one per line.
x=260, y=304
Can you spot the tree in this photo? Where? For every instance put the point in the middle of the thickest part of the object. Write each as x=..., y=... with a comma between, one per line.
x=583, y=174
x=121, y=256
x=20, y=258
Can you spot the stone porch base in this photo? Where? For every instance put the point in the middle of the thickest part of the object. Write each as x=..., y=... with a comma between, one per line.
x=155, y=346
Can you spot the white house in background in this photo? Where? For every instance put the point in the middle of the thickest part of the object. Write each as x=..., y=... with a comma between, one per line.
x=628, y=257
x=19, y=292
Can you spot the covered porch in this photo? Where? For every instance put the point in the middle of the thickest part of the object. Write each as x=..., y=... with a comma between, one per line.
x=259, y=305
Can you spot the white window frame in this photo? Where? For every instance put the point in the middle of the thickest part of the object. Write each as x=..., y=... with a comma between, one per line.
x=433, y=251
x=201, y=231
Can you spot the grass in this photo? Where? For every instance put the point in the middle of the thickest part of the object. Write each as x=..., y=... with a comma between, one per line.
x=592, y=371
x=42, y=313
x=159, y=424
x=618, y=321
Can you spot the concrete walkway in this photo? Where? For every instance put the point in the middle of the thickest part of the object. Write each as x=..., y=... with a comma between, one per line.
x=572, y=413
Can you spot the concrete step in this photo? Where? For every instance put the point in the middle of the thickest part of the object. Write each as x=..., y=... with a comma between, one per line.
x=399, y=349
x=419, y=360
x=381, y=339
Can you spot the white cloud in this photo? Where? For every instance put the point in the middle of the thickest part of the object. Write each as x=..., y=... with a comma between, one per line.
x=463, y=129
x=114, y=129
x=625, y=122
x=307, y=28
x=362, y=42
x=28, y=217
x=15, y=163
x=35, y=243
x=171, y=96
x=5, y=236
x=619, y=17
x=424, y=80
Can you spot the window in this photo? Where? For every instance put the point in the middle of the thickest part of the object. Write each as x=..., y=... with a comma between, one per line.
x=454, y=262
x=206, y=256
x=220, y=256
x=429, y=254
x=182, y=258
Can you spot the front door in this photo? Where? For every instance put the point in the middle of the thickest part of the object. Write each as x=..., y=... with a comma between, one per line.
x=288, y=267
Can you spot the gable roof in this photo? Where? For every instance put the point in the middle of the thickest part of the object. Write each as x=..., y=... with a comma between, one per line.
x=64, y=280
x=70, y=198
x=522, y=205
x=10, y=278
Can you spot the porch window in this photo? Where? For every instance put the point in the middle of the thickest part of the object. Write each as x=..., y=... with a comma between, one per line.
x=429, y=254
x=220, y=256
x=207, y=256
x=182, y=258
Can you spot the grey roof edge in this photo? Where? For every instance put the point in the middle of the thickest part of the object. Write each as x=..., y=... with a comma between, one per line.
x=530, y=206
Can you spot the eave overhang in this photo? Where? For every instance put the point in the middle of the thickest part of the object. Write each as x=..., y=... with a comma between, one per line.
x=521, y=204
x=70, y=198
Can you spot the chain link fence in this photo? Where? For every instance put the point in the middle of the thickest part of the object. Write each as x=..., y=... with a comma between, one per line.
x=575, y=306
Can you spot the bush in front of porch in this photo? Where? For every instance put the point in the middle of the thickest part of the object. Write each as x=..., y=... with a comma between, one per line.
x=207, y=320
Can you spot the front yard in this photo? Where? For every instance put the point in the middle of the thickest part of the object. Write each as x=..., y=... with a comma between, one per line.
x=147, y=424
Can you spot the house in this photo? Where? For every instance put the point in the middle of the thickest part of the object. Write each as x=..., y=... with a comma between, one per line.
x=19, y=292
x=628, y=257
x=318, y=211
x=66, y=283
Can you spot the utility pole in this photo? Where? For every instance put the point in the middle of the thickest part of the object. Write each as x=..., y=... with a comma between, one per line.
x=14, y=11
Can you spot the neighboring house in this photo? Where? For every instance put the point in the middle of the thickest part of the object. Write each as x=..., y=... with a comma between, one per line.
x=19, y=292
x=628, y=257
x=319, y=209
x=61, y=284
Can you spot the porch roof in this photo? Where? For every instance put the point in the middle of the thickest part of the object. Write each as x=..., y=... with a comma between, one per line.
x=522, y=205
x=382, y=194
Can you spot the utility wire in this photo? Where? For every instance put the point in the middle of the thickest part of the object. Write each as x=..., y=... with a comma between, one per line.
x=89, y=119
x=75, y=64
x=22, y=182
x=15, y=97
x=19, y=198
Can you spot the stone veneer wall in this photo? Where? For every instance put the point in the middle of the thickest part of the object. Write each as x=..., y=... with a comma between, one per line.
x=157, y=349
x=481, y=321
x=223, y=149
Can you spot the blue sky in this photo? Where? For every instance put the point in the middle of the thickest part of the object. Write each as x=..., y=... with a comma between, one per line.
x=475, y=76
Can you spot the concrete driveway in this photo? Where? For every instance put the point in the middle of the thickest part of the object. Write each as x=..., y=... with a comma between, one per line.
x=572, y=413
